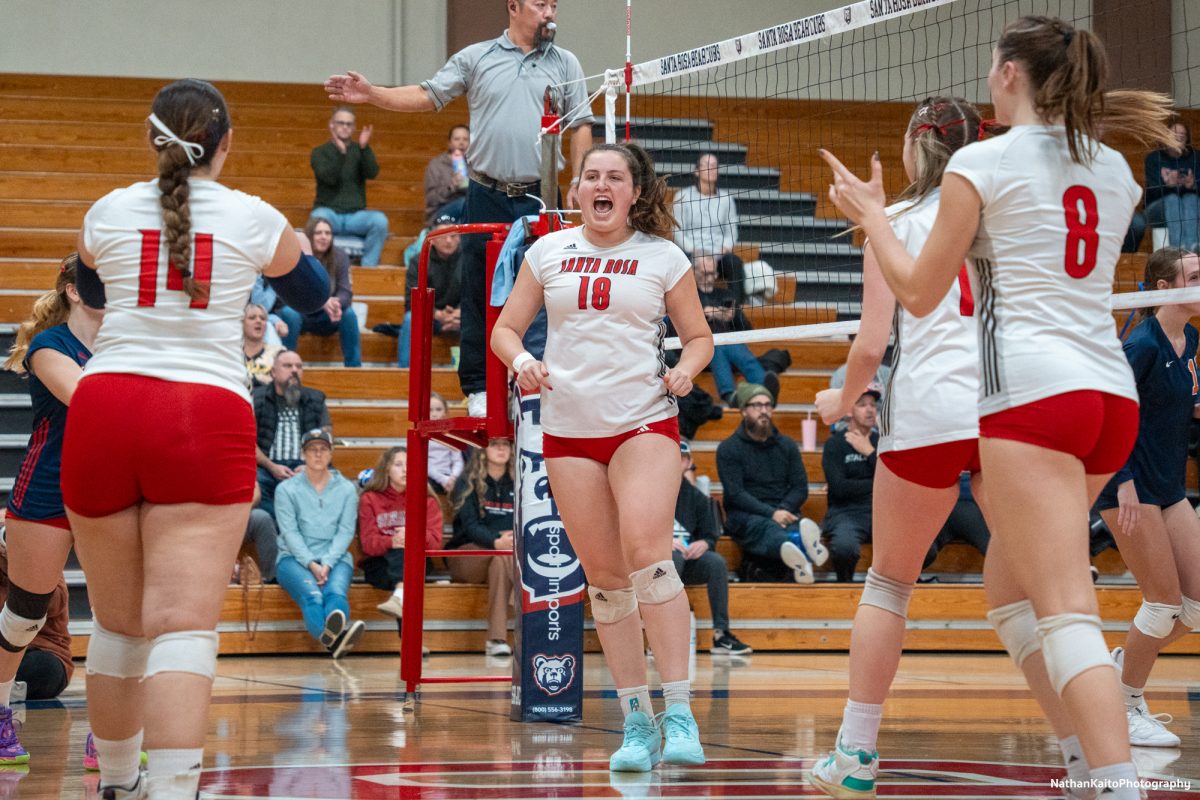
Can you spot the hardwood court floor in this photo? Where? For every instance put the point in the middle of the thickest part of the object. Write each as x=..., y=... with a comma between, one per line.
x=302, y=727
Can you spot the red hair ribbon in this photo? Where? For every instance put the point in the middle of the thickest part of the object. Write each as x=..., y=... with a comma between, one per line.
x=941, y=129
x=986, y=126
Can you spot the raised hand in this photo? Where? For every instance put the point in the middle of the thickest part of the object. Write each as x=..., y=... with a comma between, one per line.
x=349, y=88
x=855, y=198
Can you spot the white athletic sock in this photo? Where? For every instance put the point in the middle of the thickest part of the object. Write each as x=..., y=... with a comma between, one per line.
x=1074, y=759
x=6, y=692
x=1133, y=697
x=860, y=725
x=1121, y=777
x=398, y=593
x=120, y=760
x=635, y=698
x=676, y=692
x=174, y=774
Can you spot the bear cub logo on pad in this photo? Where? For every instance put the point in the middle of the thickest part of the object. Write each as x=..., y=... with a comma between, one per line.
x=554, y=674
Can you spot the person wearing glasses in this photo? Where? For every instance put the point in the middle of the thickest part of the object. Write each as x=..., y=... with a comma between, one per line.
x=342, y=167
x=765, y=485
x=444, y=276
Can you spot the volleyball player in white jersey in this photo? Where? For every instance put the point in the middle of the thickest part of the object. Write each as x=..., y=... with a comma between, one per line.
x=1042, y=210
x=929, y=434
x=611, y=438
x=158, y=458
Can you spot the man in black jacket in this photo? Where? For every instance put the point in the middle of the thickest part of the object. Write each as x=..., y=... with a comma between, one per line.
x=849, y=463
x=283, y=410
x=765, y=485
x=694, y=552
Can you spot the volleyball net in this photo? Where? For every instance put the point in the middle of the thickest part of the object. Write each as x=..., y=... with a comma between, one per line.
x=734, y=126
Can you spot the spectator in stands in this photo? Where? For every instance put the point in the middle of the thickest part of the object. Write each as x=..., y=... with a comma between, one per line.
x=283, y=410
x=505, y=168
x=444, y=276
x=261, y=530
x=765, y=485
x=708, y=224
x=259, y=355
x=965, y=524
x=483, y=520
x=337, y=316
x=724, y=314
x=342, y=168
x=694, y=551
x=849, y=463
x=46, y=665
x=445, y=462
x=263, y=294
x=381, y=511
x=316, y=510
x=446, y=178
x=1172, y=196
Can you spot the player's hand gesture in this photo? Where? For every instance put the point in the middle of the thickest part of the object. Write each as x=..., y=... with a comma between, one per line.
x=349, y=88
x=533, y=375
x=853, y=197
x=678, y=382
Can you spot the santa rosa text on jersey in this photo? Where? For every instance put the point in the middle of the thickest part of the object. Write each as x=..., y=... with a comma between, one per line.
x=614, y=266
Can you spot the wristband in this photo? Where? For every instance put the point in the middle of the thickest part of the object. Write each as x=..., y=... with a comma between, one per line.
x=521, y=360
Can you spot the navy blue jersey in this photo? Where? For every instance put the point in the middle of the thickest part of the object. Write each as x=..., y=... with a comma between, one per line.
x=1167, y=390
x=36, y=494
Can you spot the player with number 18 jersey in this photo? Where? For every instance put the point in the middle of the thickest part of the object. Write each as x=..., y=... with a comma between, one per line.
x=1044, y=258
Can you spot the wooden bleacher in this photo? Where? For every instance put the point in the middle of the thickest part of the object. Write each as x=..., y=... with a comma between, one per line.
x=69, y=140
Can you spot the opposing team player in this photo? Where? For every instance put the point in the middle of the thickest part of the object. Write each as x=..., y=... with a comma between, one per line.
x=51, y=349
x=158, y=457
x=611, y=438
x=1042, y=210
x=929, y=434
x=1146, y=503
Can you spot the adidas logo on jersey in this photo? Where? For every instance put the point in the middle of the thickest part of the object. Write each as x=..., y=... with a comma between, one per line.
x=658, y=573
x=571, y=246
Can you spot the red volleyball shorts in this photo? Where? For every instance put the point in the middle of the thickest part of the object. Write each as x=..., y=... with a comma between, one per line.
x=132, y=439
x=53, y=522
x=602, y=448
x=937, y=466
x=1096, y=427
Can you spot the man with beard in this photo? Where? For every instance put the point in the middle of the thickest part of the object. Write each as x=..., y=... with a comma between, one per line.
x=849, y=463
x=765, y=485
x=505, y=80
x=283, y=410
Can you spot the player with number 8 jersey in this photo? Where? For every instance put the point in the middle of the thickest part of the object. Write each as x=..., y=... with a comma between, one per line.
x=1044, y=260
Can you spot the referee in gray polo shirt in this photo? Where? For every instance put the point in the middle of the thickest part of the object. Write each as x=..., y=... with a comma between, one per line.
x=505, y=80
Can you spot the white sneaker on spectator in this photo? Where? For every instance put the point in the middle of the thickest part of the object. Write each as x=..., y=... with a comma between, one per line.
x=802, y=568
x=349, y=638
x=496, y=647
x=477, y=404
x=810, y=534
x=393, y=607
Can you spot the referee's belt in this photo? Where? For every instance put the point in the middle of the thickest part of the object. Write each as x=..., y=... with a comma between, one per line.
x=510, y=189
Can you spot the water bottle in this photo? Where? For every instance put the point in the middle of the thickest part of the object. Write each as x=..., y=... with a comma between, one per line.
x=460, y=167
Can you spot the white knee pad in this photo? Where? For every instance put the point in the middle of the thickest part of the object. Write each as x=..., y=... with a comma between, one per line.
x=886, y=593
x=1016, y=625
x=16, y=631
x=656, y=583
x=114, y=655
x=1157, y=619
x=184, y=651
x=612, y=605
x=1190, y=615
x=1072, y=644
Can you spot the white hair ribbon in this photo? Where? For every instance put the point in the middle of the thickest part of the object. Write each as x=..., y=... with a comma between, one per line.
x=192, y=150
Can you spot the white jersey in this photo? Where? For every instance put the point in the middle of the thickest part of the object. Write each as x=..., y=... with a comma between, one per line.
x=1050, y=233
x=151, y=327
x=605, y=307
x=932, y=395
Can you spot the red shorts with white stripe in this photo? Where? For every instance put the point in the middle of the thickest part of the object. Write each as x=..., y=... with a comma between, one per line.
x=602, y=448
x=937, y=466
x=132, y=439
x=1096, y=427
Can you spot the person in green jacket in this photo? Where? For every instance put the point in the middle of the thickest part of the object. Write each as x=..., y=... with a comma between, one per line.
x=342, y=167
x=315, y=512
